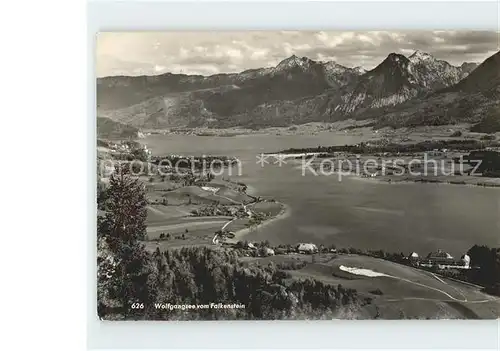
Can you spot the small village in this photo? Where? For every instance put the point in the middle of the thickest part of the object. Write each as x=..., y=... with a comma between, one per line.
x=439, y=259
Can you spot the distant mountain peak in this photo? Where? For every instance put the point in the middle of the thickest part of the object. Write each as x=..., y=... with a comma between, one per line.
x=333, y=66
x=420, y=56
x=394, y=57
x=392, y=61
x=294, y=61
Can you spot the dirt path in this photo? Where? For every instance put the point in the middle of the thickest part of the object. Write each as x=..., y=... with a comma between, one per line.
x=454, y=288
x=451, y=298
x=232, y=200
x=429, y=287
x=214, y=239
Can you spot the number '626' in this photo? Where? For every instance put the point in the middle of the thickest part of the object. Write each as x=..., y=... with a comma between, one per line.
x=137, y=305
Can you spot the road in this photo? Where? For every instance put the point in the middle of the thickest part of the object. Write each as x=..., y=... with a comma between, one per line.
x=216, y=236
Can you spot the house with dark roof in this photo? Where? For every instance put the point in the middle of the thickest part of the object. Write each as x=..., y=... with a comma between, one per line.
x=440, y=257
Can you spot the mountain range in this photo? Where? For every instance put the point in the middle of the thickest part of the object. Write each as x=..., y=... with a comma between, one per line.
x=400, y=91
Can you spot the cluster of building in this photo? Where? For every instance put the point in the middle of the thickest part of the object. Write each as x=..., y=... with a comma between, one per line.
x=306, y=248
x=119, y=147
x=441, y=260
x=303, y=248
x=214, y=210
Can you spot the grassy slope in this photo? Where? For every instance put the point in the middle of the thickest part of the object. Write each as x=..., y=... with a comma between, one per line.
x=410, y=292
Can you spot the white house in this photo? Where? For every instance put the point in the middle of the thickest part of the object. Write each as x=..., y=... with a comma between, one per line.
x=307, y=248
x=268, y=251
x=466, y=261
x=414, y=256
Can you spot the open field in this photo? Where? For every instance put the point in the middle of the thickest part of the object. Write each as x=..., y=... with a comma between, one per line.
x=179, y=227
x=176, y=211
x=418, y=293
x=160, y=213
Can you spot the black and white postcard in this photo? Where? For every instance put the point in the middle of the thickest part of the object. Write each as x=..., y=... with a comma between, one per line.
x=291, y=175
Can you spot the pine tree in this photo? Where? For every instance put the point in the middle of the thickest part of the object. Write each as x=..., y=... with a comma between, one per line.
x=122, y=229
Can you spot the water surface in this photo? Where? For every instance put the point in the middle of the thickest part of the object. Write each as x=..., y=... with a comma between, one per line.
x=353, y=212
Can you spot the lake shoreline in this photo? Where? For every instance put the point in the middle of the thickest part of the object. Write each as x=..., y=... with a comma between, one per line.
x=244, y=233
x=447, y=209
x=390, y=180
x=252, y=191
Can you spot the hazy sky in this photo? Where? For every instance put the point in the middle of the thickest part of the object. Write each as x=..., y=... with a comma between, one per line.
x=150, y=53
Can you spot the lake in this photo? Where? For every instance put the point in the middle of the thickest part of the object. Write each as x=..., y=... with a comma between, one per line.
x=353, y=212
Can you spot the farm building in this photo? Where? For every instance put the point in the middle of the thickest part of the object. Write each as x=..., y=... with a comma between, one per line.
x=307, y=248
x=444, y=260
x=268, y=251
x=440, y=257
x=413, y=256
